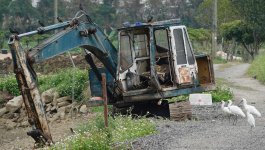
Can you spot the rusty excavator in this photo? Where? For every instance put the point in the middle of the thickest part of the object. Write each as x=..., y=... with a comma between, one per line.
x=154, y=61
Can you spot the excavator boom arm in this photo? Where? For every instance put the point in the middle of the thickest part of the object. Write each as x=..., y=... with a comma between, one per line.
x=75, y=34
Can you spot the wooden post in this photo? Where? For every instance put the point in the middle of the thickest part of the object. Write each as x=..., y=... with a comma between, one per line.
x=105, y=98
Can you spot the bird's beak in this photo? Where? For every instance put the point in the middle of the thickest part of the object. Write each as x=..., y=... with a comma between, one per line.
x=240, y=102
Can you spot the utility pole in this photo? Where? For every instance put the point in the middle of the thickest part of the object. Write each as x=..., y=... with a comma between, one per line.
x=214, y=29
x=55, y=11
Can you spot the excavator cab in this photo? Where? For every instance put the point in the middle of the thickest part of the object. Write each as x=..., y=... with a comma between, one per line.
x=156, y=60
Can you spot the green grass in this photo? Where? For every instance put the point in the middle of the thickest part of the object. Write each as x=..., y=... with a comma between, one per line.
x=94, y=135
x=9, y=83
x=62, y=81
x=257, y=68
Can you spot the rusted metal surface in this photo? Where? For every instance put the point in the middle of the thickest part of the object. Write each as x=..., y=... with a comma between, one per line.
x=104, y=93
x=31, y=95
x=205, y=70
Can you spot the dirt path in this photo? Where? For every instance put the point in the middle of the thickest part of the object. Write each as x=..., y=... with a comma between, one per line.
x=216, y=133
x=17, y=139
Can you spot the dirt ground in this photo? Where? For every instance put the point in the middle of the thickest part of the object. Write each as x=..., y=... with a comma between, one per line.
x=17, y=139
x=215, y=133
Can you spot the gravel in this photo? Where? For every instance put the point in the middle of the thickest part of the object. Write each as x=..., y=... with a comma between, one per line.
x=212, y=129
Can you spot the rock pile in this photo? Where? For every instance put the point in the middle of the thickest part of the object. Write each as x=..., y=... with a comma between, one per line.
x=57, y=108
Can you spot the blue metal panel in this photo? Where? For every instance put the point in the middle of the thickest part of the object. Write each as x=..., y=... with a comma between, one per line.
x=70, y=38
x=166, y=94
x=95, y=84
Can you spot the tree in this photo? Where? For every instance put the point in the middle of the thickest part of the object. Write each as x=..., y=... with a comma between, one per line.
x=252, y=13
x=239, y=31
x=19, y=14
x=225, y=13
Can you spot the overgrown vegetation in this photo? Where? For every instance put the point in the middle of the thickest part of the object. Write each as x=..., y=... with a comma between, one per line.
x=257, y=69
x=9, y=83
x=94, y=135
x=66, y=82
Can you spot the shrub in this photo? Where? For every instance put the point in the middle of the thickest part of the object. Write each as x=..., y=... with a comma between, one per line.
x=221, y=93
x=257, y=68
x=9, y=83
x=94, y=135
x=63, y=82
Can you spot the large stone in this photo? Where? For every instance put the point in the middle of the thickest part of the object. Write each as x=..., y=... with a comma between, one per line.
x=63, y=99
x=68, y=108
x=24, y=124
x=2, y=111
x=64, y=103
x=54, y=109
x=10, y=125
x=83, y=109
x=9, y=116
x=48, y=107
x=49, y=95
x=61, y=112
x=55, y=117
x=14, y=104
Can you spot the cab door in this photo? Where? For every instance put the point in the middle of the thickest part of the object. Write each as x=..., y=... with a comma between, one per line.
x=184, y=60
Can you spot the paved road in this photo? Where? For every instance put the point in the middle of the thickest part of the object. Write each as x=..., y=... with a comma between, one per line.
x=215, y=133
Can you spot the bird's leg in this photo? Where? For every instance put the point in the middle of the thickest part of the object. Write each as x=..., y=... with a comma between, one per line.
x=235, y=120
x=251, y=129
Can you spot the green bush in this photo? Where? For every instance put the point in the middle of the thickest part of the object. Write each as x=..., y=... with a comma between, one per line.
x=9, y=83
x=221, y=93
x=94, y=135
x=257, y=68
x=63, y=82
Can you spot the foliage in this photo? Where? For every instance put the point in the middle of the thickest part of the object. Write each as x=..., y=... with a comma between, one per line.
x=93, y=135
x=257, y=68
x=221, y=93
x=9, y=83
x=225, y=12
x=242, y=33
x=199, y=34
x=253, y=18
x=64, y=82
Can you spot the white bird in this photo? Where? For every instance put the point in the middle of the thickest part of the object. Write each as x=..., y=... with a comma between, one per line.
x=251, y=119
x=235, y=110
x=225, y=109
x=249, y=108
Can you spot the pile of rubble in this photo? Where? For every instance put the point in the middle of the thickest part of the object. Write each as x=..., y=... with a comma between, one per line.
x=57, y=108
